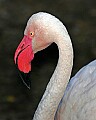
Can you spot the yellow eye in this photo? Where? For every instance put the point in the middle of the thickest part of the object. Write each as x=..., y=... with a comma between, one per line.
x=32, y=34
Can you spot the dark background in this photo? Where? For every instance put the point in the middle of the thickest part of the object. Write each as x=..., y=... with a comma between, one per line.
x=16, y=101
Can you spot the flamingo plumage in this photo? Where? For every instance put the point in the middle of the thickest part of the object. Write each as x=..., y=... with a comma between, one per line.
x=63, y=99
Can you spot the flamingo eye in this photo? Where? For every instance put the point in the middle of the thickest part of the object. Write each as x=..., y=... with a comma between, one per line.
x=32, y=34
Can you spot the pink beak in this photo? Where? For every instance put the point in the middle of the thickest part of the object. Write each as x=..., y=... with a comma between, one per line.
x=24, y=55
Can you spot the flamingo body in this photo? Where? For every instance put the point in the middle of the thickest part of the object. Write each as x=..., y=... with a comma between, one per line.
x=79, y=100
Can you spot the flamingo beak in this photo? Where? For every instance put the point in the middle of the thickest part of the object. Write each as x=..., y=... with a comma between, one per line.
x=23, y=57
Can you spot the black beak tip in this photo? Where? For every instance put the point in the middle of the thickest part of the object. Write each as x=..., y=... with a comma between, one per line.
x=25, y=79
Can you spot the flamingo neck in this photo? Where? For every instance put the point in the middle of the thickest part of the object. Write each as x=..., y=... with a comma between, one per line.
x=55, y=89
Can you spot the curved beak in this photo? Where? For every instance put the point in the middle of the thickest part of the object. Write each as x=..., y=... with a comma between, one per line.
x=23, y=57
x=26, y=42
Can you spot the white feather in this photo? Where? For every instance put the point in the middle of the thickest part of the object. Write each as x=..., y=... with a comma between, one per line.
x=78, y=102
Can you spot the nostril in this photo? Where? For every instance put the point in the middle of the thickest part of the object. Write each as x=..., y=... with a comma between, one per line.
x=22, y=46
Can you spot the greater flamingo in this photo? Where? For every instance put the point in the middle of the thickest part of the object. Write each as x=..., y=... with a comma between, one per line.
x=62, y=100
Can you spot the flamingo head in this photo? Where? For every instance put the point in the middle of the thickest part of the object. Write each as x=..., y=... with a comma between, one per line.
x=38, y=35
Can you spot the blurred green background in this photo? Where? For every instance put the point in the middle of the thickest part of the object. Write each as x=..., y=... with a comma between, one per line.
x=79, y=16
